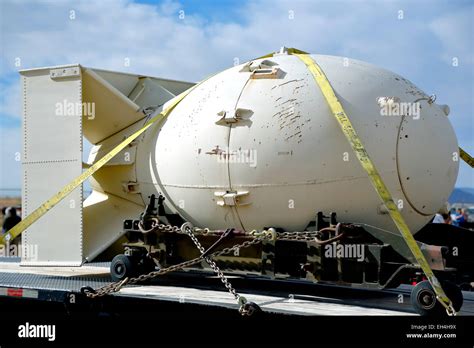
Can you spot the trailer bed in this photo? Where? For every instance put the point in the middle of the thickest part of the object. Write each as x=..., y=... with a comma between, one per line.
x=291, y=298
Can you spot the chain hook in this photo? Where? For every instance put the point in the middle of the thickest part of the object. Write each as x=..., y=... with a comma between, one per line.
x=272, y=233
x=187, y=226
x=248, y=308
x=88, y=291
x=448, y=306
x=432, y=99
x=121, y=284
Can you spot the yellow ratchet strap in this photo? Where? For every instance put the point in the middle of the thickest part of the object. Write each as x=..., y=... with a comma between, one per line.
x=66, y=190
x=376, y=180
x=466, y=157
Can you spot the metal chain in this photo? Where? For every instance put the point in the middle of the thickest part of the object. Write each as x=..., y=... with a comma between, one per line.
x=116, y=286
x=246, y=308
x=303, y=236
x=211, y=263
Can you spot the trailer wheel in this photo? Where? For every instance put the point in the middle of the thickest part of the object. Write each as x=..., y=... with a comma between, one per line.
x=121, y=267
x=423, y=298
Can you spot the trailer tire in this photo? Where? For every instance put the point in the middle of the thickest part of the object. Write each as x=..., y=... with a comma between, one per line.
x=423, y=298
x=121, y=267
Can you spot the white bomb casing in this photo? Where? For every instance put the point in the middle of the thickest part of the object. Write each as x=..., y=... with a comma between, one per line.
x=257, y=146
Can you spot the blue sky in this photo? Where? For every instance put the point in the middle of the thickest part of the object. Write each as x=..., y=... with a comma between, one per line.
x=191, y=39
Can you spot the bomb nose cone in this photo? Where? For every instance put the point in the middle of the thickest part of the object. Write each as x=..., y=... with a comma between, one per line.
x=427, y=158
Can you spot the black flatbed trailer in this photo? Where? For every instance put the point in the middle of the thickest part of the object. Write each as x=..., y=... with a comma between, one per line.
x=60, y=287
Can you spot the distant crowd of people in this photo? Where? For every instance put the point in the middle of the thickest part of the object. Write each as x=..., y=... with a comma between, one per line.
x=10, y=219
x=457, y=218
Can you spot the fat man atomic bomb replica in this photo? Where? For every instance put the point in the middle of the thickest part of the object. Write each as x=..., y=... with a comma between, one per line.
x=250, y=148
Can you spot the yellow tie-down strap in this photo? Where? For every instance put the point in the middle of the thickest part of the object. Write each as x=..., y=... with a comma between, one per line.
x=376, y=180
x=466, y=157
x=66, y=190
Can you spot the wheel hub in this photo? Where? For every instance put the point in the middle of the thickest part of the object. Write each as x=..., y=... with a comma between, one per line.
x=119, y=269
x=427, y=299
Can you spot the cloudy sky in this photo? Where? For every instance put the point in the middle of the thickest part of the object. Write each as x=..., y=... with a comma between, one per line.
x=429, y=42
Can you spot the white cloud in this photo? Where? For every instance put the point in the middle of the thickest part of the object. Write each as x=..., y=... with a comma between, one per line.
x=158, y=42
x=456, y=33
